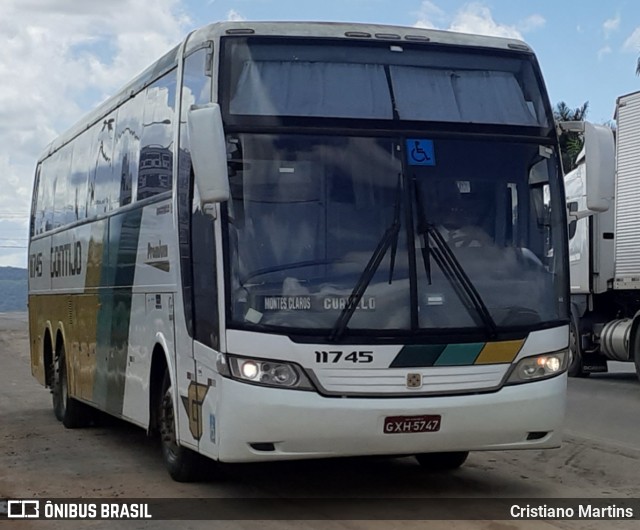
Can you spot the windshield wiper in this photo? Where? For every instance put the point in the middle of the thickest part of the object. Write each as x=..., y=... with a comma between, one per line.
x=396, y=220
x=389, y=239
x=451, y=267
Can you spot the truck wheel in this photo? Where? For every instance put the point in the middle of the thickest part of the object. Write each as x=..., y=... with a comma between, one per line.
x=182, y=463
x=636, y=355
x=575, y=353
x=70, y=412
x=442, y=461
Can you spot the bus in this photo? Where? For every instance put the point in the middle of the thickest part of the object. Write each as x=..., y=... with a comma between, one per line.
x=307, y=240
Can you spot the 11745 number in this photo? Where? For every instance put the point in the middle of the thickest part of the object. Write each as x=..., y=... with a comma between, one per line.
x=327, y=357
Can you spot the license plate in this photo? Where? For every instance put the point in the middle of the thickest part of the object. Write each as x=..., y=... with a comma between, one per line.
x=408, y=424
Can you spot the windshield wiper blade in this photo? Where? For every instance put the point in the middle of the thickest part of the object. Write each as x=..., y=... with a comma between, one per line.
x=389, y=239
x=455, y=268
x=396, y=220
x=363, y=282
x=452, y=269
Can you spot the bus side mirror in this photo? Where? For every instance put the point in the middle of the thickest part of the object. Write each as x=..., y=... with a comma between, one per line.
x=208, y=153
x=597, y=162
x=600, y=158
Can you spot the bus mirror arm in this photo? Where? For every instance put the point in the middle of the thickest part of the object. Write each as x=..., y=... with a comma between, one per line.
x=208, y=154
x=577, y=215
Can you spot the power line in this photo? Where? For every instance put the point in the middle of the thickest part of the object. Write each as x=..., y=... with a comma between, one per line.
x=10, y=246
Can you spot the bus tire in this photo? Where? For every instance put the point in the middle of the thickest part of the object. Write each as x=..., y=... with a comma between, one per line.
x=442, y=461
x=182, y=464
x=576, y=367
x=69, y=411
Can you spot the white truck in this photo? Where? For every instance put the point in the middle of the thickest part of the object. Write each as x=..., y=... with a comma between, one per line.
x=603, y=199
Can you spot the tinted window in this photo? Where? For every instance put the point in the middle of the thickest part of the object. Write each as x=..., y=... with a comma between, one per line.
x=63, y=211
x=156, y=147
x=101, y=192
x=36, y=204
x=307, y=78
x=80, y=170
x=127, y=148
x=199, y=275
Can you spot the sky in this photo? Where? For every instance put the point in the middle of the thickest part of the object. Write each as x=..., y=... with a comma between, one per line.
x=60, y=58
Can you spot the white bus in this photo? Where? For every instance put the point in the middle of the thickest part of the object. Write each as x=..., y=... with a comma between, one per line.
x=308, y=240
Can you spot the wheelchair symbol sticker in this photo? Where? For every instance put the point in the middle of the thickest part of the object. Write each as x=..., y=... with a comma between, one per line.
x=420, y=152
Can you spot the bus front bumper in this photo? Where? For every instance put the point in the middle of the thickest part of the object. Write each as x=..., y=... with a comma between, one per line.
x=263, y=424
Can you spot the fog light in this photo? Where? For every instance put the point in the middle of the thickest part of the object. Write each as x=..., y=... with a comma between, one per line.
x=284, y=375
x=529, y=370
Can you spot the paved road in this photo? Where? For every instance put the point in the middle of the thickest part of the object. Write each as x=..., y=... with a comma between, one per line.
x=38, y=457
x=606, y=407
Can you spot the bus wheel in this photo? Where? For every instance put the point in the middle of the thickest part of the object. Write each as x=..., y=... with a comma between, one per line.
x=70, y=412
x=182, y=463
x=575, y=354
x=442, y=461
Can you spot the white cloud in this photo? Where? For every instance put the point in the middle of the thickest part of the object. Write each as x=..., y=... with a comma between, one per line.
x=58, y=60
x=234, y=16
x=428, y=13
x=532, y=23
x=605, y=50
x=474, y=17
x=632, y=44
x=610, y=25
x=477, y=18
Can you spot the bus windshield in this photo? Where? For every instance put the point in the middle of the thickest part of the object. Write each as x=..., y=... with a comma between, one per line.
x=309, y=212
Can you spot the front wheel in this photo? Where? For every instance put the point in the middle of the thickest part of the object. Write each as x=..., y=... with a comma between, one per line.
x=182, y=463
x=576, y=365
x=442, y=461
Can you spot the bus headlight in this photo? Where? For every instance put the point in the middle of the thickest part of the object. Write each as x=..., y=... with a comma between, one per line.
x=269, y=373
x=539, y=367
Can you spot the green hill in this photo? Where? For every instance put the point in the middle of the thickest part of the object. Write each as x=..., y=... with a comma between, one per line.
x=13, y=289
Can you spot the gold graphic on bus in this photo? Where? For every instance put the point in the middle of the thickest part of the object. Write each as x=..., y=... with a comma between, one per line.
x=193, y=404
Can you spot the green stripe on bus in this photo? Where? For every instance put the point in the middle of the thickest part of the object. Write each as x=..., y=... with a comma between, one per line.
x=459, y=354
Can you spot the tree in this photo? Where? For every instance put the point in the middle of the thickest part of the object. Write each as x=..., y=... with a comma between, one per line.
x=570, y=142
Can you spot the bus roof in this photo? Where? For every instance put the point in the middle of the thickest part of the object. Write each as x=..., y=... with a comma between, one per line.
x=376, y=32
x=335, y=30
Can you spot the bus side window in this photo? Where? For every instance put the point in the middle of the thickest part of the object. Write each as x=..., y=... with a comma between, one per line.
x=101, y=177
x=127, y=148
x=62, y=173
x=155, y=174
x=78, y=181
x=48, y=175
x=36, y=204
